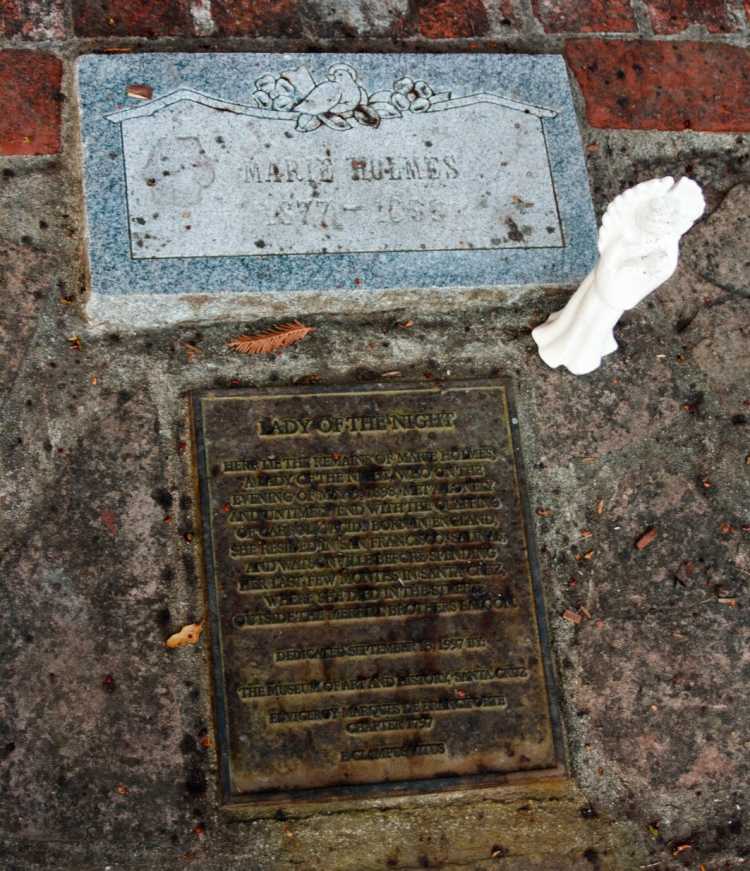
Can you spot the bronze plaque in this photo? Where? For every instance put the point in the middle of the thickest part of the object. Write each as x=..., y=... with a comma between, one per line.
x=376, y=621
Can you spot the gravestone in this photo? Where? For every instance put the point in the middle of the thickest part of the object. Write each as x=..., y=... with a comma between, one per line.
x=377, y=626
x=223, y=184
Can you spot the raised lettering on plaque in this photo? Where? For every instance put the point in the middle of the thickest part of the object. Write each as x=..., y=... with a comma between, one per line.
x=376, y=620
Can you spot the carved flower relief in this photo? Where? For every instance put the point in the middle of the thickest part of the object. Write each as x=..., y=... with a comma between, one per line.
x=411, y=95
x=274, y=93
x=340, y=100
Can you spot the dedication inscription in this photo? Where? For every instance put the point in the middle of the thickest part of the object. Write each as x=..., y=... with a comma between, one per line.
x=377, y=626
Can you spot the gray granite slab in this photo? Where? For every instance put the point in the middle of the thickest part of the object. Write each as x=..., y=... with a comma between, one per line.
x=251, y=183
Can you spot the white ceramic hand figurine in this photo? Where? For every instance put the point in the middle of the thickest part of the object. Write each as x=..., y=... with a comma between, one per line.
x=638, y=249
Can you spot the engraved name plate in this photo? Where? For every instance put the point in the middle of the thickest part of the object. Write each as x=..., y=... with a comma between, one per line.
x=376, y=622
x=216, y=179
x=225, y=174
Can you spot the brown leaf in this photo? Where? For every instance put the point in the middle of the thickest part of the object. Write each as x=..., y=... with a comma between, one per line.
x=571, y=616
x=187, y=635
x=191, y=351
x=726, y=528
x=274, y=339
x=140, y=92
x=121, y=789
x=543, y=512
x=600, y=506
x=109, y=519
x=684, y=572
x=646, y=539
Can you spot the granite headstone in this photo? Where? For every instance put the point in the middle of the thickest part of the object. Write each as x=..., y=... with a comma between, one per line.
x=217, y=183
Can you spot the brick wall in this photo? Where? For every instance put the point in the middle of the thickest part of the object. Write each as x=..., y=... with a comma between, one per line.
x=639, y=64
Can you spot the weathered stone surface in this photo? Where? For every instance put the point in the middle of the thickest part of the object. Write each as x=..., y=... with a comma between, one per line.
x=32, y=19
x=24, y=276
x=117, y=466
x=129, y=18
x=100, y=495
x=662, y=85
x=598, y=16
x=37, y=264
x=279, y=18
x=30, y=84
x=674, y=16
x=113, y=765
x=451, y=19
x=719, y=249
x=351, y=19
x=81, y=653
x=102, y=499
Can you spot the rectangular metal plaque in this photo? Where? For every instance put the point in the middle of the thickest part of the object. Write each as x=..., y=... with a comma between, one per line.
x=347, y=173
x=376, y=622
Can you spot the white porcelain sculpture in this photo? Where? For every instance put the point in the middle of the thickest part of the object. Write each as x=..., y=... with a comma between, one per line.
x=638, y=249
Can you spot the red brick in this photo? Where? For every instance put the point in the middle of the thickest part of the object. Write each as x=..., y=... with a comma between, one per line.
x=451, y=19
x=278, y=18
x=150, y=18
x=32, y=19
x=575, y=16
x=662, y=85
x=673, y=16
x=30, y=97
